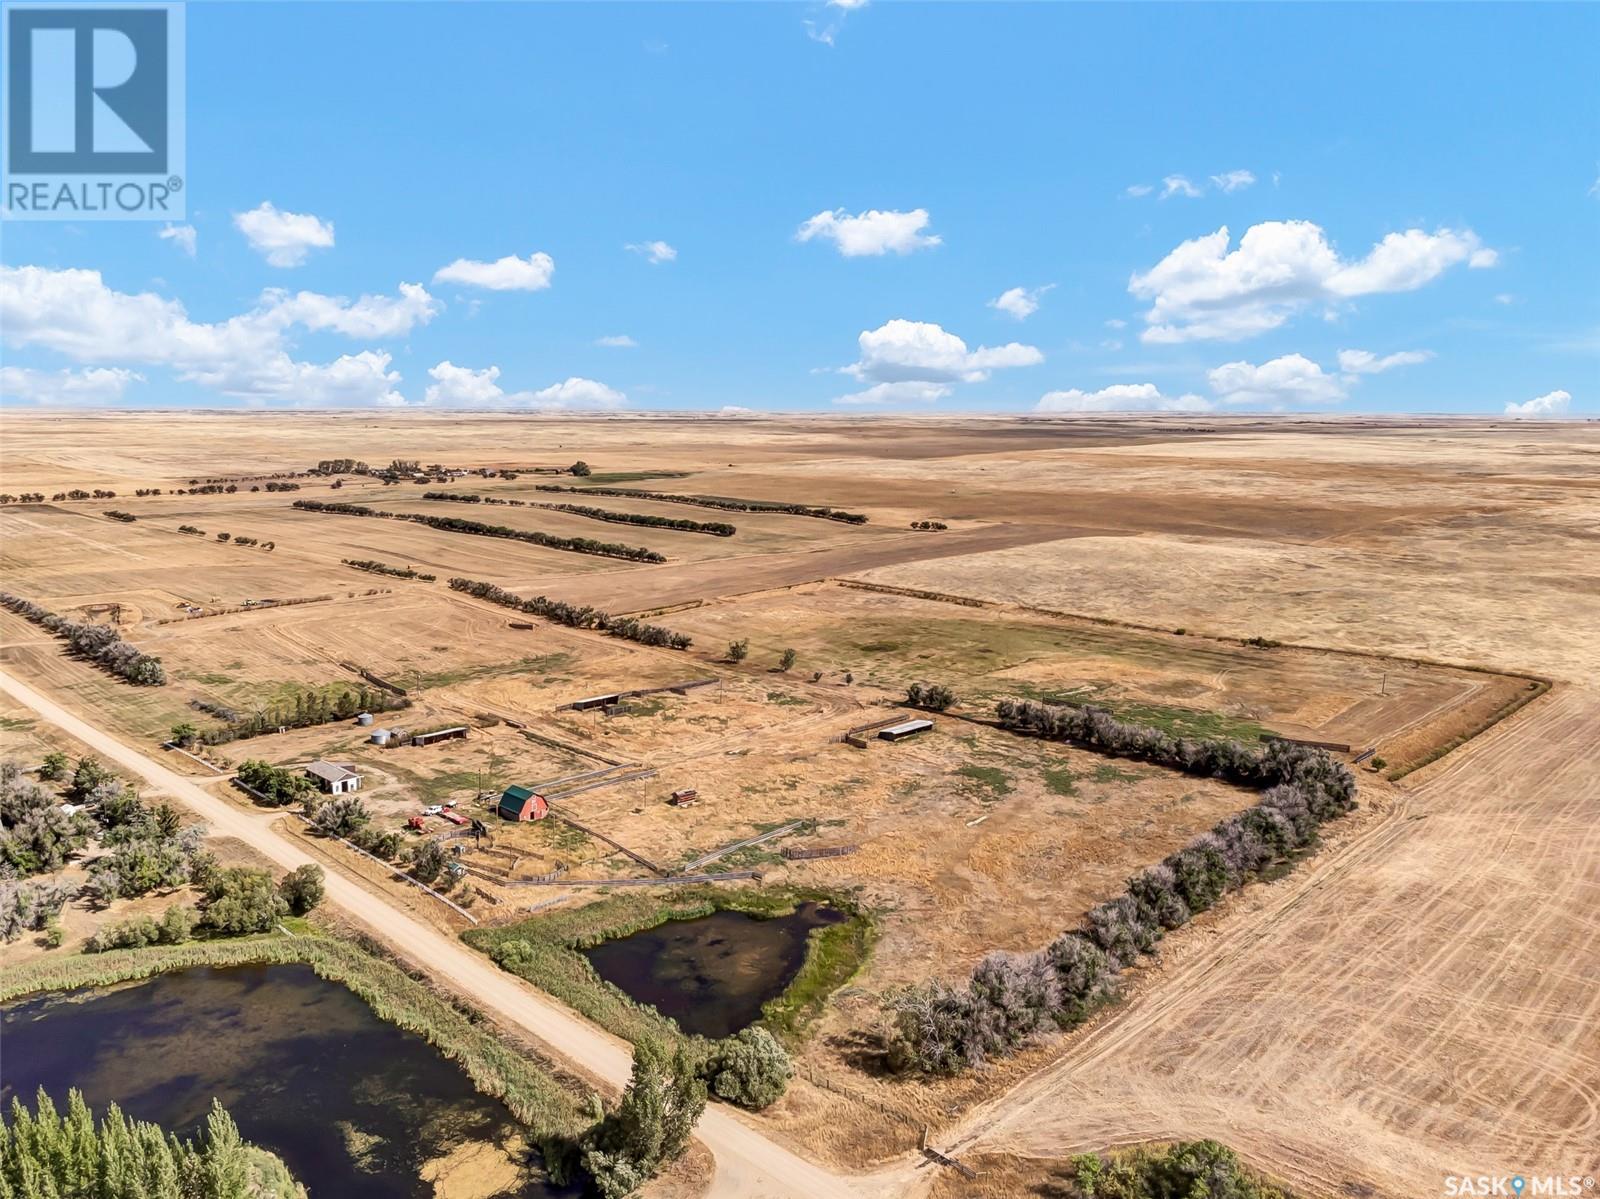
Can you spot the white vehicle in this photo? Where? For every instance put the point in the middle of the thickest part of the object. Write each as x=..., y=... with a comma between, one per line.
x=432, y=810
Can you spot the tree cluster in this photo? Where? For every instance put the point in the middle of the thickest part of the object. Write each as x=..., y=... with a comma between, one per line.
x=371, y=566
x=929, y=526
x=935, y=697
x=450, y=524
x=340, y=466
x=126, y=518
x=307, y=709
x=36, y=835
x=275, y=786
x=27, y=497
x=99, y=643
x=651, y=1125
x=241, y=900
x=174, y=928
x=1011, y=998
x=47, y=1153
x=574, y=616
x=714, y=501
x=29, y=907
x=1188, y=1168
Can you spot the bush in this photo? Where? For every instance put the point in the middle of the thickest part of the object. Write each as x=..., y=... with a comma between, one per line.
x=786, y=659
x=932, y=696
x=302, y=888
x=750, y=1069
x=242, y=900
x=738, y=650
x=54, y=767
x=428, y=861
x=341, y=817
x=580, y=468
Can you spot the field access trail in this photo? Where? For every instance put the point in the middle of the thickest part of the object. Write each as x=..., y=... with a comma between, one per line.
x=1421, y=1001
x=749, y=1164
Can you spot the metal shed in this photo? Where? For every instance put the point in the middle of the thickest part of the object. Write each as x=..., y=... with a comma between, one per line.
x=908, y=728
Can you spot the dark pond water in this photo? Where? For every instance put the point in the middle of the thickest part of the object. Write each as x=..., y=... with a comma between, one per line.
x=713, y=973
x=357, y=1108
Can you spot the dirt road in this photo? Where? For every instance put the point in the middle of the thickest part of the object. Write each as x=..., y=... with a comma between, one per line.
x=749, y=1165
x=1423, y=1001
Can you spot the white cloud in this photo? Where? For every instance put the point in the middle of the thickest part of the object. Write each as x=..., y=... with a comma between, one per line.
x=503, y=274
x=1137, y=189
x=74, y=313
x=1232, y=181
x=1292, y=379
x=1505, y=297
x=96, y=386
x=184, y=236
x=1020, y=302
x=734, y=410
x=1365, y=362
x=902, y=351
x=872, y=233
x=1120, y=397
x=908, y=391
x=847, y=5
x=1116, y=322
x=464, y=387
x=1203, y=291
x=1551, y=404
x=1178, y=185
x=283, y=238
x=617, y=341
x=369, y=317
x=654, y=252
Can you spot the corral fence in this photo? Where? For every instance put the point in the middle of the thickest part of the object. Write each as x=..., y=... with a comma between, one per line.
x=795, y=853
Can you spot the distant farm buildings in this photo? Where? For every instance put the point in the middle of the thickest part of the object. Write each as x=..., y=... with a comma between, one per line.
x=333, y=778
x=908, y=728
x=522, y=803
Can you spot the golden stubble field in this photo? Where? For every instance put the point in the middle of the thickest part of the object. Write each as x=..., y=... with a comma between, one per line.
x=1334, y=1025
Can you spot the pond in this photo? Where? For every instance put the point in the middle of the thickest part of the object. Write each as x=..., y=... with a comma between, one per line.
x=711, y=974
x=356, y=1107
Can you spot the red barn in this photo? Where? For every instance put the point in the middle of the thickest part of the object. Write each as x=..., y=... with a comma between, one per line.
x=521, y=803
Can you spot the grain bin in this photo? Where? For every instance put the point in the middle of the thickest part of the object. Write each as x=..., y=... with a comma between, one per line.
x=380, y=736
x=364, y=719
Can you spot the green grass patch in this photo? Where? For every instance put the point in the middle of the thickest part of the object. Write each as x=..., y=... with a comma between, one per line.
x=15, y=724
x=1060, y=780
x=786, y=700
x=544, y=949
x=995, y=780
x=632, y=476
x=1107, y=773
x=543, y=664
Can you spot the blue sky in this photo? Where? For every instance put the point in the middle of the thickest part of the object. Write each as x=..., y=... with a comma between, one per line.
x=843, y=199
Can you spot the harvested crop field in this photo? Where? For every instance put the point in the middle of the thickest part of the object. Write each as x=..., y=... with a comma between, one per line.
x=1416, y=993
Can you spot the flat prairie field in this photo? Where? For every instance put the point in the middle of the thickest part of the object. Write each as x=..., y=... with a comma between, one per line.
x=1420, y=595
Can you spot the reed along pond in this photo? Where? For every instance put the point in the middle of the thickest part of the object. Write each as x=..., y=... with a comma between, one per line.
x=357, y=1108
x=711, y=974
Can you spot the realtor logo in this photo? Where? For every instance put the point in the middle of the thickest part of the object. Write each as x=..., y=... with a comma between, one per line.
x=93, y=111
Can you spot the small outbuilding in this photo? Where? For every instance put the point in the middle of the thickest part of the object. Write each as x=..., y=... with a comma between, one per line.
x=333, y=778
x=522, y=803
x=908, y=728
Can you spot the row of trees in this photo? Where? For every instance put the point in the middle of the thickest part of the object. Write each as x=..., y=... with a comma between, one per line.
x=126, y=518
x=374, y=567
x=99, y=643
x=1187, y=1168
x=1010, y=998
x=575, y=616
x=577, y=545
x=714, y=501
x=308, y=708
x=714, y=528
x=49, y=1153
x=929, y=526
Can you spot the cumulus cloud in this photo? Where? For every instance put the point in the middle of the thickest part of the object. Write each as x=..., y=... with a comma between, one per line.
x=1178, y=185
x=1121, y=397
x=1292, y=379
x=1020, y=302
x=617, y=341
x=73, y=313
x=1233, y=181
x=464, y=387
x=283, y=238
x=1137, y=189
x=653, y=252
x=907, y=391
x=510, y=273
x=1203, y=290
x=369, y=317
x=872, y=233
x=902, y=351
x=1365, y=362
x=182, y=236
x=95, y=386
x=1551, y=404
